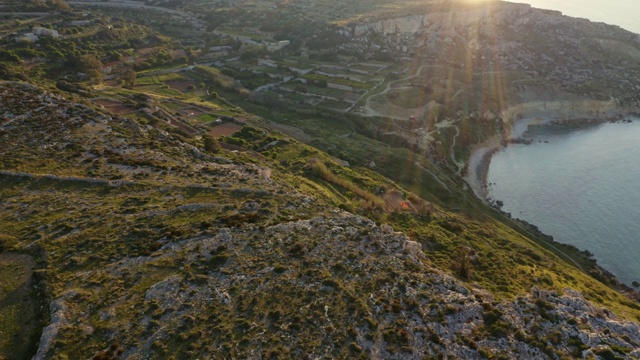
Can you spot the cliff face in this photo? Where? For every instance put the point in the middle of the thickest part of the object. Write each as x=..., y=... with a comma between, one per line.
x=577, y=56
x=499, y=60
x=566, y=110
x=483, y=18
x=486, y=19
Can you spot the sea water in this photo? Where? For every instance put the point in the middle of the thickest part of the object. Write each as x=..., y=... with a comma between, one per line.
x=579, y=184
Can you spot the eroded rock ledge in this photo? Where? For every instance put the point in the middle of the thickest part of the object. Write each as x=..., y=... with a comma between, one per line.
x=309, y=285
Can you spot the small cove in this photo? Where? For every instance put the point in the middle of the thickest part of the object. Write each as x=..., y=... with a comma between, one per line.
x=579, y=184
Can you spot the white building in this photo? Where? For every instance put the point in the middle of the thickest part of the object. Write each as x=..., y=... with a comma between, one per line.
x=80, y=22
x=40, y=31
x=278, y=45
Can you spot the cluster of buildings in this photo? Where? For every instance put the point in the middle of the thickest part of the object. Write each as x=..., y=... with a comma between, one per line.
x=275, y=46
x=36, y=33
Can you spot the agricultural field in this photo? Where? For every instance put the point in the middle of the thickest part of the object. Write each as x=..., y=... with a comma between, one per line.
x=114, y=106
x=224, y=129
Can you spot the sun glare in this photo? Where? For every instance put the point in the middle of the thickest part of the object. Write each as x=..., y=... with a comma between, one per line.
x=478, y=1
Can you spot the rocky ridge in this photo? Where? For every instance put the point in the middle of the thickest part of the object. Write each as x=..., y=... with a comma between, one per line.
x=337, y=286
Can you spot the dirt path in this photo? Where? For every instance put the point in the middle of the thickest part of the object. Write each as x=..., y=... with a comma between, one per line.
x=432, y=174
x=369, y=111
x=459, y=164
x=460, y=91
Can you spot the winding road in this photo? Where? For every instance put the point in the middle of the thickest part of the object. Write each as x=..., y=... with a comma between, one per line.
x=459, y=164
x=368, y=111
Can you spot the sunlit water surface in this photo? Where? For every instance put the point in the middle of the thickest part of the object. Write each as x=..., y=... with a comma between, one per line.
x=579, y=184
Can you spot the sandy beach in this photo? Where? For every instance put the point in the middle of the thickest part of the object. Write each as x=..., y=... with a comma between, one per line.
x=478, y=168
x=480, y=159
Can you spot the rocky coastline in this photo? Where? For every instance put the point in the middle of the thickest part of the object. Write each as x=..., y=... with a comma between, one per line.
x=480, y=160
x=519, y=118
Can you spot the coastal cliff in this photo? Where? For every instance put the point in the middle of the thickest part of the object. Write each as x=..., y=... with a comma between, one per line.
x=443, y=18
x=542, y=112
x=517, y=118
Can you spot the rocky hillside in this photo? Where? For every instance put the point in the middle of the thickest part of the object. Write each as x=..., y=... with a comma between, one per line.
x=547, y=54
x=336, y=286
x=580, y=57
x=150, y=247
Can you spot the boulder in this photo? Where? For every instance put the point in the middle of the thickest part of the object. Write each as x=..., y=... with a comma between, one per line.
x=413, y=248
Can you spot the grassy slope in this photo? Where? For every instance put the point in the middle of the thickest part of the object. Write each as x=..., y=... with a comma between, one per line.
x=19, y=323
x=512, y=259
x=83, y=226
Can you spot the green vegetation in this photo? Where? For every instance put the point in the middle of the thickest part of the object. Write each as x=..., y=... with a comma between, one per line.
x=159, y=238
x=320, y=170
x=20, y=322
x=410, y=98
x=211, y=144
x=215, y=77
x=143, y=202
x=322, y=80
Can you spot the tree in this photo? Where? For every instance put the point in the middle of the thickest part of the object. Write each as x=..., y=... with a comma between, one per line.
x=463, y=260
x=59, y=5
x=88, y=64
x=129, y=79
x=211, y=144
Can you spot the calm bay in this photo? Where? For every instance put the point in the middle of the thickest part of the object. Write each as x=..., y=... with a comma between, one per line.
x=579, y=184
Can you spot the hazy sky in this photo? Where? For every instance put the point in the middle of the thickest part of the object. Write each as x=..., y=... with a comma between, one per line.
x=624, y=13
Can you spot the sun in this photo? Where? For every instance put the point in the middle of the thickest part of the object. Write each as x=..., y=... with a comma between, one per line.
x=478, y=1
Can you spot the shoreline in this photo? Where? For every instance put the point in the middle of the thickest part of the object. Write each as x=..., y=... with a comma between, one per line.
x=480, y=160
x=478, y=167
x=478, y=170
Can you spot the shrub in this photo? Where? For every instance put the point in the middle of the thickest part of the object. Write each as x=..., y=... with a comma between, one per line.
x=211, y=144
x=463, y=262
x=298, y=249
x=606, y=354
x=320, y=170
